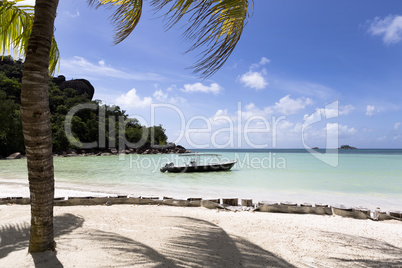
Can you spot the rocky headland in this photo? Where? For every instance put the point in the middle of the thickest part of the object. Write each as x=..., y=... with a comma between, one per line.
x=166, y=149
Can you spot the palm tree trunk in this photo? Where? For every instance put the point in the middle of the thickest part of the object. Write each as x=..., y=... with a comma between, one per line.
x=37, y=128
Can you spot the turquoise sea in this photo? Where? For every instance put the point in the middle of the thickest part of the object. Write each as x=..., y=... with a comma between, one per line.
x=362, y=177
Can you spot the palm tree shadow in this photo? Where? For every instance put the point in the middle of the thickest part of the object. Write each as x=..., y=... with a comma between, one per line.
x=205, y=244
x=123, y=251
x=200, y=244
x=379, y=253
x=194, y=243
x=14, y=237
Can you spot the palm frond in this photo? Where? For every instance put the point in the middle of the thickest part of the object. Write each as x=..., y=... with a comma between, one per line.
x=214, y=24
x=125, y=17
x=54, y=59
x=15, y=29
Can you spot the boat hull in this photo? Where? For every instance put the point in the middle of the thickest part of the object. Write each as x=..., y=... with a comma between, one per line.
x=200, y=168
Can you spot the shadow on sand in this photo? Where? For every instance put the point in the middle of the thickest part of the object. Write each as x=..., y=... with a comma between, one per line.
x=204, y=244
x=183, y=242
x=376, y=249
x=15, y=237
x=196, y=243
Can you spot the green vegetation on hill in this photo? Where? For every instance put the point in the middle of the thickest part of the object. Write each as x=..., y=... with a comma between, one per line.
x=85, y=123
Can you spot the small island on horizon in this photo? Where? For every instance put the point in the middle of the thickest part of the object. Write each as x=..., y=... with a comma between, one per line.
x=346, y=147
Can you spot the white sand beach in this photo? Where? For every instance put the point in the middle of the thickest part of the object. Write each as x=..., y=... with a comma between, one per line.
x=162, y=236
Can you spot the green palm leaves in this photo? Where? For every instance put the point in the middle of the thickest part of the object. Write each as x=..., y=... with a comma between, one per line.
x=125, y=17
x=214, y=24
x=15, y=29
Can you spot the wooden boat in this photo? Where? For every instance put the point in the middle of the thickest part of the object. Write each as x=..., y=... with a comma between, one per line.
x=195, y=165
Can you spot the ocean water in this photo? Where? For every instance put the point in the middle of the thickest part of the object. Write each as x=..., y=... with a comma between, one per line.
x=369, y=178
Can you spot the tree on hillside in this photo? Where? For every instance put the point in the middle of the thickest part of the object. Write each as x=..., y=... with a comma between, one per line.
x=214, y=25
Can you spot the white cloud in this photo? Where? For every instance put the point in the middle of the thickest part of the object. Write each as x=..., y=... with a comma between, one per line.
x=345, y=131
x=221, y=112
x=254, y=80
x=397, y=125
x=80, y=67
x=250, y=110
x=314, y=117
x=344, y=110
x=250, y=106
x=370, y=109
x=332, y=128
x=390, y=28
x=162, y=96
x=288, y=106
x=341, y=131
x=328, y=112
x=132, y=100
x=285, y=106
x=264, y=61
x=221, y=117
x=198, y=87
x=76, y=14
x=172, y=87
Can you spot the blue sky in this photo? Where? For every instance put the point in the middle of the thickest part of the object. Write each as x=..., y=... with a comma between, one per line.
x=305, y=73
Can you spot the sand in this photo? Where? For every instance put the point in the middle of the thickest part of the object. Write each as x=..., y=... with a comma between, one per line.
x=162, y=236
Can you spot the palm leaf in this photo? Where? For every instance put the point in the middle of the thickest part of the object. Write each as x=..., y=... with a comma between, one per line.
x=15, y=29
x=125, y=17
x=214, y=24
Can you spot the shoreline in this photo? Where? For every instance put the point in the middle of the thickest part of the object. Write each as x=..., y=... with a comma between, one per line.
x=70, y=197
x=19, y=188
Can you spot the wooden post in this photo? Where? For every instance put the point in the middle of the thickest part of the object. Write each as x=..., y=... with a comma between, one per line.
x=247, y=202
x=230, y=201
